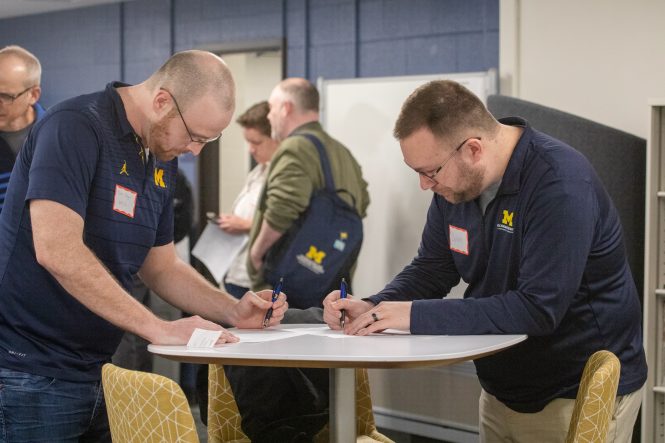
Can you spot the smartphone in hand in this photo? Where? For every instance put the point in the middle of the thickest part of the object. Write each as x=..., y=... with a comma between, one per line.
x=212, y=217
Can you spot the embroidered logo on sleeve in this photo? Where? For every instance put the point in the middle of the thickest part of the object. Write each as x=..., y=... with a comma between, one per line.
x=124, y=201
x=506, y=223
x=459, y=240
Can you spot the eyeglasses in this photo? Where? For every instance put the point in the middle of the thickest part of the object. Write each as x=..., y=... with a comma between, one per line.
x=8, y=99
x=432, y=177
x=194, y=140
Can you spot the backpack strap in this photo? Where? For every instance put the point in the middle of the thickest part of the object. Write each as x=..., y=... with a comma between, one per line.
x=325, y=164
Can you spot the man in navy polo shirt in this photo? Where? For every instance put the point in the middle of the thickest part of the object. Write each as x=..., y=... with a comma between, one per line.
x=525, y=221
x=90, y=204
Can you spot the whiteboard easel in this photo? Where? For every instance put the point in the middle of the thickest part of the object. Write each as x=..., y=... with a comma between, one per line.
x=361, y=113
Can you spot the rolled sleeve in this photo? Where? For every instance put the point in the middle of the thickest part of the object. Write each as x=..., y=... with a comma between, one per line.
x=288, y=189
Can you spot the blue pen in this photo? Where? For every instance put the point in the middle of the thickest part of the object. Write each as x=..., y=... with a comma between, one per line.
x=275, y=294
x=342, y=294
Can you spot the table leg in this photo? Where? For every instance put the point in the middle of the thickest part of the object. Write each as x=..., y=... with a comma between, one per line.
x=342, y=405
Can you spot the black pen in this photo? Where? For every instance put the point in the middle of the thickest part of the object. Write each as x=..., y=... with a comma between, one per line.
x=275, y=294
x=342, y=294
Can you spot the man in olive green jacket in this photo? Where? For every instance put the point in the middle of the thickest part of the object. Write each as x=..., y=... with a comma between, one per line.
x=290, y=404
x=295, y=170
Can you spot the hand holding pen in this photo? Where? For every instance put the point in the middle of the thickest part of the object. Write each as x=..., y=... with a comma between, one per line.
x=275, y=294
x=342, y=294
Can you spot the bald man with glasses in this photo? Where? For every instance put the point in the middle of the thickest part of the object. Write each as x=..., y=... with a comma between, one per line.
x=89, y=206
x=20, y=78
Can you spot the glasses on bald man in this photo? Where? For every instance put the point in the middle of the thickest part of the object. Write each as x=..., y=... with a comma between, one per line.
x=202, y=141
x=8, y=99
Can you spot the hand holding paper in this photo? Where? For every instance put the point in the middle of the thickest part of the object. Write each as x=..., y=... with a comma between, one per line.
x=216, y=249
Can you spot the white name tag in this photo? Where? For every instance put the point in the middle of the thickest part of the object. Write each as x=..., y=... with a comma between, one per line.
x=124, y=201
x=459, y=240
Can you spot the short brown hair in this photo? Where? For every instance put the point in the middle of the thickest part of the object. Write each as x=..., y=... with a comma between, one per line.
x=256, y=117
x=191, y=74
x=444, y=107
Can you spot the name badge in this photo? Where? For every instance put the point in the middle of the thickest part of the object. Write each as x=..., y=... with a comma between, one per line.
x=459, y=240
x=124, y=201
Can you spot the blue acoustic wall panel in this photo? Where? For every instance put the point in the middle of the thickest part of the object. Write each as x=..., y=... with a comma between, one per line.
x=427, y=36
x=294, y=25
x=205, y=22
x=146, y=38
x=79, y=49
x=82, y=49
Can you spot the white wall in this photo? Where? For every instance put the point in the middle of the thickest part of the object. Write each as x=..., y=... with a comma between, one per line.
x=599, y=59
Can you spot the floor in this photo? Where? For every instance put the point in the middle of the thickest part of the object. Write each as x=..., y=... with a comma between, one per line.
x=398, y=437
x=188, y=374
x=401, y=437
x=200, y=427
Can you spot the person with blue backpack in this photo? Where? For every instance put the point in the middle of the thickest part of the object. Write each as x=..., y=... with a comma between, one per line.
x=307, y=231
x=308, y=162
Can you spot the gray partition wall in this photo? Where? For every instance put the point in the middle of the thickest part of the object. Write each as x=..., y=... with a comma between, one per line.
x=618, y=157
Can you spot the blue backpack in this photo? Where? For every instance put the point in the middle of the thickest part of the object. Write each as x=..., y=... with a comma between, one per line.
x=321, y=246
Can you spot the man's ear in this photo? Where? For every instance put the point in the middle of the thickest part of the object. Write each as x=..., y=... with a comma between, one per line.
x=288, y=107
x=161, y=102
x=475, y=148
x=35, y=93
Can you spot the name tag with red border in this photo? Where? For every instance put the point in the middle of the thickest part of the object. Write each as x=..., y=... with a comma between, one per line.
x=124, y=201
x=459, y=240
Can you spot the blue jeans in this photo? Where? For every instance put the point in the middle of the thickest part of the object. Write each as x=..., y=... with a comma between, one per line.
x=44, y=409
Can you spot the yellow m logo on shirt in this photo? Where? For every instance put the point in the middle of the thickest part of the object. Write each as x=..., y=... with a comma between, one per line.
x=315, y=255
x=159, y=178
x=507, y=218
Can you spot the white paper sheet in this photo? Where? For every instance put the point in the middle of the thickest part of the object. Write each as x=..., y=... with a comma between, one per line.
x=262, y=335
x=321, y=330
x=270, y=334
x=216, y=250
x=203, y=338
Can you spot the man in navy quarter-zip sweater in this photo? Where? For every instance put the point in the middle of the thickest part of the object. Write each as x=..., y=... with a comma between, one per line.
x=525, y=221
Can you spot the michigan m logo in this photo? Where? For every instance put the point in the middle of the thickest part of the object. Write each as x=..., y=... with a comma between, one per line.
x=315, y=255
x=159, y=178
x=507, y=218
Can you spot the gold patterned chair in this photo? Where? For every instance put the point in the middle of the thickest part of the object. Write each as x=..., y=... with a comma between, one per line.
x=594, y=404
x=146, y=408
x=224, y=418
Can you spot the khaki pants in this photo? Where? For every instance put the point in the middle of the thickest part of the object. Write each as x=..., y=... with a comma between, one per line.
x=499, y=423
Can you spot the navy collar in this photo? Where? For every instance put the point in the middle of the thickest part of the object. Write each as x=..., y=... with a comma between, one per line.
x=126, y=129
x=510, y=182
